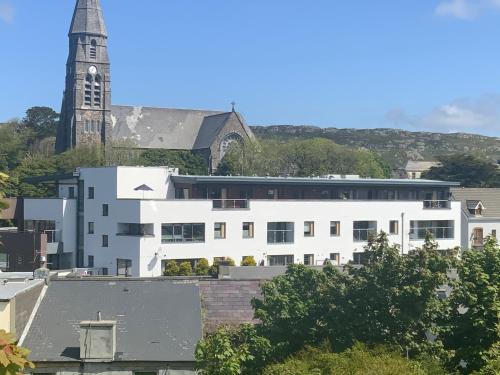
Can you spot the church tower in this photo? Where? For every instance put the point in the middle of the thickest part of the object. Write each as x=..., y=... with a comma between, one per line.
x=86, y=107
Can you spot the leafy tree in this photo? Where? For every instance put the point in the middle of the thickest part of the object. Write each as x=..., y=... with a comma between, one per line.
x=13, y=358
x=358, y=360
x=202, y=267
x=185, y=269
x=171, y=268
x=3, y=181
x=492, y=361
x=469, y=170
x=187, y=161
x=474, y=326
x=248, y=262
x=42, y=121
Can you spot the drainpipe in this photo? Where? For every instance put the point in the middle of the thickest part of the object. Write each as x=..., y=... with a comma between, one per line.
x=402, y=232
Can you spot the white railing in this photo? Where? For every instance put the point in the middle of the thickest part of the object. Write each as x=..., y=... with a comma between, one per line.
x=436, y=204
x=231, y=204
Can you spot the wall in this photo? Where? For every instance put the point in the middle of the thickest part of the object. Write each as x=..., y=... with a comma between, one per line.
x=21, y=247
x=487, y=224
x=6, y=316
x=25, y=303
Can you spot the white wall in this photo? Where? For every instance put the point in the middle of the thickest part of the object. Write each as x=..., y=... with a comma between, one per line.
x=488, y=226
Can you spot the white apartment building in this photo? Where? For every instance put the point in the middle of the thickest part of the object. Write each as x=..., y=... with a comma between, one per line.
x=131, y=220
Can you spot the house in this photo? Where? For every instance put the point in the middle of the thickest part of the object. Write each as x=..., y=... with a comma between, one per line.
x=18, y=296
x=480, y=214
x=115, y=325
x=415, y=168
x=130, y=221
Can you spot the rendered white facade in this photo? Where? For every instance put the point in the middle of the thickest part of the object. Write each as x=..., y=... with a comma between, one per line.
x=146, y=196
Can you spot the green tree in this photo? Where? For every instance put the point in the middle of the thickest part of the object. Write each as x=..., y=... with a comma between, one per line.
x=3, y=183
x=171, y=268
x=248, y=262
x=13, y=358
x=474, y=310
x=202, y=267
x=469, y=170
x=42, y=121
x=187, y=161
x=185, y=269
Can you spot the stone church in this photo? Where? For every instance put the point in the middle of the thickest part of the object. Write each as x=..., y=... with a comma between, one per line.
x=89, y=117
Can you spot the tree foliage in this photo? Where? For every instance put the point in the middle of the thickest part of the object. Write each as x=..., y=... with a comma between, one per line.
x=300, y=158
x=3, y=182
x=171, y=268
x=187, y=161
x=185, y=269
x=469, y=170
x=13, y=358
x=202, y=267
x=248, y=261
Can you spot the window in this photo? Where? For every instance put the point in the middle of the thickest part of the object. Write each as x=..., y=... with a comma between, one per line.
x=272, y=194
x=90, y=263
x=439, y=229
x=171, y=233
x=334, y=228
x=494, y=233
x=91, y=193
x=4, y=262
x=97, y=91
x=394, y=227
x=359, y=258
x=362, y=230
x=105, y=210
x=280, y=232
x=88, y=90
x=280, y=260
x=220, y=231
x=124, y=267
x=105, y=240
x=309, y=229
x=86, y=126
x=93, y=49
x=248, y=230
x=181, y=193
x=335, y=258
x=91, y=227
x=309, y=259
x=71, y=192
x=134, y=229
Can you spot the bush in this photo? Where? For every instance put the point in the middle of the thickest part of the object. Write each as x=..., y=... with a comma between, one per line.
x=202, y=267
x=185, y=269
x=172, y=268
x=214, y=270
x=248, y=262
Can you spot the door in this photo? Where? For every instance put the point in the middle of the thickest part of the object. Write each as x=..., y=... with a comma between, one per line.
x=478, y=239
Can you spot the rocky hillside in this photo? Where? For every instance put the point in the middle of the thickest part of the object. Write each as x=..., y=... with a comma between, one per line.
x=396, y=146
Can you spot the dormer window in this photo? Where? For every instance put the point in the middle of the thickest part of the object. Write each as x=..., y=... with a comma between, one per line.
x=475, y=208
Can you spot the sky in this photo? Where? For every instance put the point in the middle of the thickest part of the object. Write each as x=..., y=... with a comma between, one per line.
x=429, y=65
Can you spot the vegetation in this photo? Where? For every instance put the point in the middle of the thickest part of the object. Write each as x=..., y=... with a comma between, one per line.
x=185, y=269
x=202, y=267
x=3, y=182
x=171, y=268
x=214, y=269
x=300, y=158
x=174, y=268
x=369, y=320
x=469, y=170
x=248, y=262
x=13, y=358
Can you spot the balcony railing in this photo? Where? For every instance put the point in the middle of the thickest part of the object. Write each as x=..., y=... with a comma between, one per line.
x=437, y=204
x=231, y=204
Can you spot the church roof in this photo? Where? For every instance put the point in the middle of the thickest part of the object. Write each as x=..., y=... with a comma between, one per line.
x=174, y=129
x=88, y=18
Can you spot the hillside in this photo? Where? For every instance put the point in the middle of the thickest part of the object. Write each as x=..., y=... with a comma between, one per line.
x=395, y=145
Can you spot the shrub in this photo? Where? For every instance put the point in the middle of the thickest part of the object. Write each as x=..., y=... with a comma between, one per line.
x=172, y=268
x=214, y=270
x=248, y=262
x=185, y=269
x=202, y=267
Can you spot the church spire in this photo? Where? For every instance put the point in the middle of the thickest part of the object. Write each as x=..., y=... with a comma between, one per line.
x=88, y=19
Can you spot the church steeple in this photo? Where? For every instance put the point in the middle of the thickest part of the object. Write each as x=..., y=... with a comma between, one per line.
x=86, y=107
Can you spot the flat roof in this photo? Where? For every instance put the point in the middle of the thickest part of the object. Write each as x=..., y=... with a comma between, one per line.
x=11, y=287
x=311, y=181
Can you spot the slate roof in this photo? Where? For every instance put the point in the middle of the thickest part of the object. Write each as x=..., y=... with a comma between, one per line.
x=157, y=320
x=490, y=198
x=88, y=18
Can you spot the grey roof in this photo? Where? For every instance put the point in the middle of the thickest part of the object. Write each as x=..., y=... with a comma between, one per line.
x=88, y=18
x=489, y=197
x=310, y=181
x=12, y=286
x=420, y=166
x=157, y=320
x=472, y=205
x=174, y=129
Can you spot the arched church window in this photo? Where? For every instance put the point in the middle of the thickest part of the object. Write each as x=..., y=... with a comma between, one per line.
x=97, y=91
x=88, y=90
x=227, y=141
x=93, y=49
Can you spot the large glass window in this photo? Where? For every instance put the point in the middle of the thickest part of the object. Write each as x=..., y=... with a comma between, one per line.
x=439, y=229
x=280, y=260
x=134, y=229
x=362, y=230
x=189, y=232
x=280, y=232
x=124, y=267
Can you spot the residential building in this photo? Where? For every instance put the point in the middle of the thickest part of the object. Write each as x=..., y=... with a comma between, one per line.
x=130, y=221
x=416, y=168
x=88, y=116
x=480, y=214
x=116, y=325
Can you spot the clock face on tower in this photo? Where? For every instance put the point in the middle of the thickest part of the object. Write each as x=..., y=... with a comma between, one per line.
x=92, y=70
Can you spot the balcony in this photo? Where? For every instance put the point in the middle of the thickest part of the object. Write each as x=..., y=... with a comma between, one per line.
x=437, y=204
x=231, y=204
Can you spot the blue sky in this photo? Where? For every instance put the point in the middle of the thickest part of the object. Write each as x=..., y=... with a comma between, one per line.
x=414, y=64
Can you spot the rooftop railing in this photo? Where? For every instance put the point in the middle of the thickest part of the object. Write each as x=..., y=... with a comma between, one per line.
x=436, y=204
x=231, y=204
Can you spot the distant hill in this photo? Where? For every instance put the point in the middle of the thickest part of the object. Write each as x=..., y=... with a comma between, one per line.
x=395, y=145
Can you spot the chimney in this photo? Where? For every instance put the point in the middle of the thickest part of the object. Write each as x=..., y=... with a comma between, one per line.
x=98, y=340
